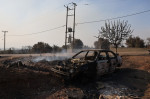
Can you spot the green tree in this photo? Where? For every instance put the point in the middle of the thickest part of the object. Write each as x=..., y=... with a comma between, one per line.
x=41, y=47
x=136, y=42
x=130, y=42
x=78, y=44
x=116, y=32
x=148, y=42
x=102, y=44
x=56, y=49
x=9, y=51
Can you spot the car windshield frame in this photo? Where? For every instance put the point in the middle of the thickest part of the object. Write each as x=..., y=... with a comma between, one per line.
x=80, y=53
x=86, y=54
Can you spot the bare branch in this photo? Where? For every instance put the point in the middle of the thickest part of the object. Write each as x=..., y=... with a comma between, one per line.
x=116, y=31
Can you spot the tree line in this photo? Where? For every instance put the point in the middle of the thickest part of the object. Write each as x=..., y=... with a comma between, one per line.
x=41, y=47
x=131, y=42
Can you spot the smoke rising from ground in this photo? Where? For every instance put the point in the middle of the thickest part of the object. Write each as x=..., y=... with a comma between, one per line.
x=51, y=57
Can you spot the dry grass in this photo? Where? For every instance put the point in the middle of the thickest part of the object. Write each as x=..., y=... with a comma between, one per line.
x=121, y=51
x=132, y=51
x=138, y=62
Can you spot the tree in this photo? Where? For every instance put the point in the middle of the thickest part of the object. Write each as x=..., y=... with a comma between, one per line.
x=130, y=42
x=139, y=42
x=29, y=49
x=78, y=44
x=148, y=43
x=115, y=32
x=26, y=49
x=56, y=49
x=86, y=47
x=136, y=42
x=41, y=47
x=47, y=48
x=9, y=51
x=102, y=43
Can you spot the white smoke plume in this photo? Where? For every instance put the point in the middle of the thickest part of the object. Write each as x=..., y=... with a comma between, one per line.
x=53, y=56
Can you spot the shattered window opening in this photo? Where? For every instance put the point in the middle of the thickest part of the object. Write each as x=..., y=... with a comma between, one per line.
x=102, y=56
x=111, y=55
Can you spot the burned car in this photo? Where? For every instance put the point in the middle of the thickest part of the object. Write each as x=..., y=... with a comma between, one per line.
x=92, y=63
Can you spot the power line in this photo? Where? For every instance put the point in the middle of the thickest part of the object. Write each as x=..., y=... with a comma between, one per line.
x=115, y=17
x=40, y=31
x=88, y=22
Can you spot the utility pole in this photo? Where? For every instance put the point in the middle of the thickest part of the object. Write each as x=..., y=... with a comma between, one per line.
x=74, y=23
x=4, y=39
x=66, y=28
x=70, y=30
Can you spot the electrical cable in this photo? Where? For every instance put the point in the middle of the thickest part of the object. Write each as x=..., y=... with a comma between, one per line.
x=40, y=31
x=85, y=23
x=115, y=17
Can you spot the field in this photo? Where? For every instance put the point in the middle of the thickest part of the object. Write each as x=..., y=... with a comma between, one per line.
x=132, y=51
x=132, y=80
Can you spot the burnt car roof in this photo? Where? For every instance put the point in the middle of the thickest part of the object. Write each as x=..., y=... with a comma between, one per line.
x=95, y=50
x=92, y=50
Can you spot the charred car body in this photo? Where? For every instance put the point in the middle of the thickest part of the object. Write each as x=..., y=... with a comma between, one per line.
x=88, y=62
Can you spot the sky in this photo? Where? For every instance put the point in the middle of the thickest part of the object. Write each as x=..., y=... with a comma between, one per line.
x=22, y=17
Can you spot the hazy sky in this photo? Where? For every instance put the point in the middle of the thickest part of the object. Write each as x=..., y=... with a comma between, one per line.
x=20, y=17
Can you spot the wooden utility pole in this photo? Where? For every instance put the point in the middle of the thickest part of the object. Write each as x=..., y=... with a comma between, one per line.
x=4, y=39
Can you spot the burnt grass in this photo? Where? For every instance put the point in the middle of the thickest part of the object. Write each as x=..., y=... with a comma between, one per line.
x=36, y=81
x=136, y=82
x=24, y=85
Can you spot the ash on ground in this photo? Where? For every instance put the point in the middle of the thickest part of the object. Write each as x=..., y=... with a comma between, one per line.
x=24, y=78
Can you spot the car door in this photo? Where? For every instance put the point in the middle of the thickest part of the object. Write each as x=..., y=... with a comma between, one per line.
x=113, y=61
x=102, y=63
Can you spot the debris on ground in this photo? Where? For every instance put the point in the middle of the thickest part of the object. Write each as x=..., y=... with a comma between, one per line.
x=22, y=78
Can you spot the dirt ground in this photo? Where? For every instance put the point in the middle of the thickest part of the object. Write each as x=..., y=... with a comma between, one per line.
x=130, y=81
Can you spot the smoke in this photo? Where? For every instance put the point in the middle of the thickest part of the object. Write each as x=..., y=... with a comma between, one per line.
x=63, y=55
x=49, y=58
